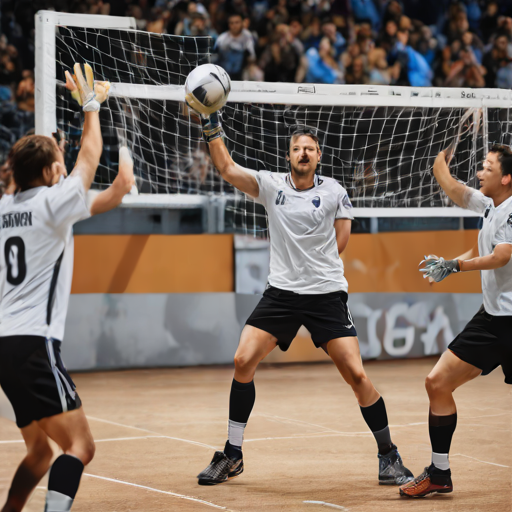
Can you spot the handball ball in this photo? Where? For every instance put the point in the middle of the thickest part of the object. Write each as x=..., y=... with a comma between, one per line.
x=210, y=85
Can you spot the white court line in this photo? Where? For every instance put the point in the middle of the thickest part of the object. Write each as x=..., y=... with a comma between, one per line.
x=127, y=438
x=298, y=422
x=312, y=436
x=13, y=441
x=478, y=460
x=152, y=432
x=324, y=504
x=176, y=495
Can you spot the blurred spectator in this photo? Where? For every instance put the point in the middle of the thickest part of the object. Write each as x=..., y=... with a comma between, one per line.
x=322, y=67
x=252, y=72
x=414, y=69
x=337, y=40
x=466, y=72
x=282, y=60
x=366, y=10
x=387, y=37
x=470, y=40
x=312, y=35
x=379, y=72
x=496, y=58
x=232, y=46
x=489, y=21
x=25, y=92
x=356, y=72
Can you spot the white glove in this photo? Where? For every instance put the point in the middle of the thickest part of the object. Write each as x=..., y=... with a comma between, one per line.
x=88, y=93
x=438, y=269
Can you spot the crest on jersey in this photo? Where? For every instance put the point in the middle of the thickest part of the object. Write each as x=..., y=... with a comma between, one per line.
x=281, y=198
x=509, y=220
x=316, y=201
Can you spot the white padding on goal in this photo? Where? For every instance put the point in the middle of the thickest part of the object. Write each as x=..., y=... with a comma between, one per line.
x=181, y=201
x=333, y=95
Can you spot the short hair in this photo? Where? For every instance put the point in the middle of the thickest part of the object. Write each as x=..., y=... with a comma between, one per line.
x=29, y=156
x=504, y=157
x=308, y=132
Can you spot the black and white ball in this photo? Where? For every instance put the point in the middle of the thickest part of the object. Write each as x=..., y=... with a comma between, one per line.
x=210, y=85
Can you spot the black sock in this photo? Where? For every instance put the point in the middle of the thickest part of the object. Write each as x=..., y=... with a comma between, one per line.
x=63, y=483
x=441, y=429
x=377, y=420
x=241, y=402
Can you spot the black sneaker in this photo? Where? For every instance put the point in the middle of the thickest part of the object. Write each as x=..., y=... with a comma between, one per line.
x=430, y=481
x=392, y=470
x=221, y=469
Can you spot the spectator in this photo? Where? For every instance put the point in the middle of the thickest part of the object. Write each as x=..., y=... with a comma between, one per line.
x=337, y=40
x=232, y=46
x=366, y=10
x=466, y=72
x=495, y=59
x=489, y=21
x=25, y=92
x=379, y=71
x=312, y=35
x=387, y=37
x=282, y=60
x=356, y=73
x=470, y=40
x=252, y=72
x=414, y=69
x=200, y=26
x=322, y=67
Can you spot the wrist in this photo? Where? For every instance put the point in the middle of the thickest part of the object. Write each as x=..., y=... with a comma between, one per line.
x=460, y=265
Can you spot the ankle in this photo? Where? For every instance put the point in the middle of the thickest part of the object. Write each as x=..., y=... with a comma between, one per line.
x=233, y=452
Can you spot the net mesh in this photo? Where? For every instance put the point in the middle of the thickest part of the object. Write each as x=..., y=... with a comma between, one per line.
x=383, y=156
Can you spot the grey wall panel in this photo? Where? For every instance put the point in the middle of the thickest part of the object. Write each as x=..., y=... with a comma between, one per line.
x=144, y=330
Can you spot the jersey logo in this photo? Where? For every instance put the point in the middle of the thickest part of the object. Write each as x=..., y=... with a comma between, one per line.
x=509, y=220
x=281, y=198
x=316, y=201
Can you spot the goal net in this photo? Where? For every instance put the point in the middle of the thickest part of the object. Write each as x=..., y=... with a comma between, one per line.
x=380, y=143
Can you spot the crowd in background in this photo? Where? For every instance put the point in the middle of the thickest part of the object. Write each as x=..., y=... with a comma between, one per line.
x=463, y=43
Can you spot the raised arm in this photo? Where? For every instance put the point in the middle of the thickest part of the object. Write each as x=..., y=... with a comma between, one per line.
x=455, y=190
x=108, y=199
x=89, y=95
x=243, y=179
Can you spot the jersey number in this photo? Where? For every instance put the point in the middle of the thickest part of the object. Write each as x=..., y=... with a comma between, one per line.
x=15, y=260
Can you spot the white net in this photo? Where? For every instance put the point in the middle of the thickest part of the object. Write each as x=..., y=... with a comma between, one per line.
x=382, y=155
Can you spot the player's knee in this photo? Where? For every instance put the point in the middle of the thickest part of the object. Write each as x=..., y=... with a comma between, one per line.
x=434, y=384
x=358, y=378
x=243, y=362
x=83, y=450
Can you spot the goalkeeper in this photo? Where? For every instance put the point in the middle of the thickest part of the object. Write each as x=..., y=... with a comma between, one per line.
x=485, y=342
x=309, y=222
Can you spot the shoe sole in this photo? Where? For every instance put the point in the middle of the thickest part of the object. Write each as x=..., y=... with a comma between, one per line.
x=202, y=481
x=393, y=482
x=434, y=491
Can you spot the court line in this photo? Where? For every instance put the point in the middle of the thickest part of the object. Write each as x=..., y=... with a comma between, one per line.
x=478, y=460
x=325, y=504
x=176, y=495
x=13, y=441
x=152, y=432
x=100, y=440
x=310, y=436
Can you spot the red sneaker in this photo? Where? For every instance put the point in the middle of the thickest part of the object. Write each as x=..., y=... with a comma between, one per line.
x=430, y=481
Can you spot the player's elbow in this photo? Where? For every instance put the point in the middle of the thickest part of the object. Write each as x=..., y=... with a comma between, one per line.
x=502, y=257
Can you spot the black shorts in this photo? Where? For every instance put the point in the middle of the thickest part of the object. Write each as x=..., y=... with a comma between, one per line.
x=486, y=342
x=282, y=313
x=34, y=379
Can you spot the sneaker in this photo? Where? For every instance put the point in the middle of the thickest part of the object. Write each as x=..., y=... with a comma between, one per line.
x=221, y=469
x=392, y=470
x=431, y=480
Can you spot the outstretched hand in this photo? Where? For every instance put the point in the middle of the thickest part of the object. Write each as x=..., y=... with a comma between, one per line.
x=437, y=269
x=87, y=92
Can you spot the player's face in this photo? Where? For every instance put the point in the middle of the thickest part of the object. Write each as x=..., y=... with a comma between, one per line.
x=491, y=177
x=304, y=155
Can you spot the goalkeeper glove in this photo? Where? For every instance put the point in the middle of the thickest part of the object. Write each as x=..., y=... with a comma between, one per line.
x=438, y=269
x=212, y=129
x=89, y=94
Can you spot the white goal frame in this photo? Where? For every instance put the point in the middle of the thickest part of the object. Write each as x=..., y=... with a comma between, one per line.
x=253, y=92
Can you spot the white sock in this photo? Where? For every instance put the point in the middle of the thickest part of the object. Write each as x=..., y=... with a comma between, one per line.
x=57, y=502
x=236, y=433
x=440, y=461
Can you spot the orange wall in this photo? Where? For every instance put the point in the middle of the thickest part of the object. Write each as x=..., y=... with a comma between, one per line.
x=384, y=262
x=153, y=264
x=388, y=262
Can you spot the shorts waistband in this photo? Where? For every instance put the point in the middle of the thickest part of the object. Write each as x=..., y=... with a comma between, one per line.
x=289, y=293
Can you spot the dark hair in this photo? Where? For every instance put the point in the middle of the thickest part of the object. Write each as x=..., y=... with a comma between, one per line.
x=29, y=156
x=309, y=132
x=504, y=157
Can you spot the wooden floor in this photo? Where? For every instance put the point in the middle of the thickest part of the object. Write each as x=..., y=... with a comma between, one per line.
x=307, y=447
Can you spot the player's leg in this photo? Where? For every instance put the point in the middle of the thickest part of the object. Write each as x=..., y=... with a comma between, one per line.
x=71, y=432
x=448, y=374
x=346, y=356
x=255, y=345
x=32, y=468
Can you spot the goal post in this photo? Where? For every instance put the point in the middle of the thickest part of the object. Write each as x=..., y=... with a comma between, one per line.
x=379, y=142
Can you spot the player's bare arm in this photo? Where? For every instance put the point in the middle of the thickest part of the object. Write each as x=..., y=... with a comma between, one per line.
x=456, y=191
x=233, y=173
x=342, y=228
x=112, y=197
x=89, y=94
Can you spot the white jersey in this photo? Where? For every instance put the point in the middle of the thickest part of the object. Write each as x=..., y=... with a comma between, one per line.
x=36, y=257
x=496, y=230
x=303, y=249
